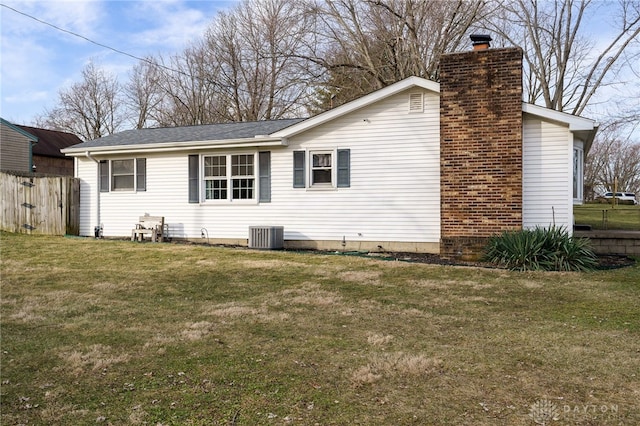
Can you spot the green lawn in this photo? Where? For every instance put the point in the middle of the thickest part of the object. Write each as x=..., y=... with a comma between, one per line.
x=620, y=217
x=115, y=332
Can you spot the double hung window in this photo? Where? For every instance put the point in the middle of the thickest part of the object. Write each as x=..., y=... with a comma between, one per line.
x=123, y=175
x=326, y=169
x=215, y=177
x=321, y=168
x=229, y=177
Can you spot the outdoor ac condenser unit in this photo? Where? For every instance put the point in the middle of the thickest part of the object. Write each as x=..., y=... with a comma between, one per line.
x=266, y=237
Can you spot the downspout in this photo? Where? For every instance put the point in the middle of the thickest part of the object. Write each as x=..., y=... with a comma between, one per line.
x=88, y=155
x=31, y=156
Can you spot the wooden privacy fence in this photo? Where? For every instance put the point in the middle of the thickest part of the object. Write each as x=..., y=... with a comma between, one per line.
x=40, y=205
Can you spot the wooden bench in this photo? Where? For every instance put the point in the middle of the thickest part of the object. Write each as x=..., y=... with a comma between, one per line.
x=149, y=225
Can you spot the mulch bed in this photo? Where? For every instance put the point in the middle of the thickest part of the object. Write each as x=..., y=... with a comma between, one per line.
x=604, y=261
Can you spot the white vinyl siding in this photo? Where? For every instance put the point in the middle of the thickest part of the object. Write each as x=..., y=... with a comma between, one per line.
x=87, y=170
x=393, y=192
x=547, y=174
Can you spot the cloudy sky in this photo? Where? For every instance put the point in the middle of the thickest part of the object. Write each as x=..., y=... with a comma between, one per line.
x=37, y=60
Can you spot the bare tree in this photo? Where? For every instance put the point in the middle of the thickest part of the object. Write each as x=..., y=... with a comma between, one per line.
x=143, y=94
x=257, y=46
x=187, y=89
x=612, y=158
x=366, y=45
x=90, y=109
x=565, y=69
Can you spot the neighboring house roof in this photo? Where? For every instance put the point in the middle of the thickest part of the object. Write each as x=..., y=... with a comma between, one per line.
x=265, y=133
x=24, y=133
x=50, y=142
x=179, y=136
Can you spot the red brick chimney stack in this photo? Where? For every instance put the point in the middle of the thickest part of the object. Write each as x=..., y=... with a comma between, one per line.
x=480, y=146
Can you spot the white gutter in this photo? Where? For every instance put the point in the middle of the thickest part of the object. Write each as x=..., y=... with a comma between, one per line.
x=88, y=155
x=179, y=146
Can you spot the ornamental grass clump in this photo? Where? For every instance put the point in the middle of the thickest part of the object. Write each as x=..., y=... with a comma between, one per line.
x=540, y=249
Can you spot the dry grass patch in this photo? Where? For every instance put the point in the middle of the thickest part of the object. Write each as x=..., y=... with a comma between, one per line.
x=95, y=358
x=225, y=336
x=197, y=330
x=38, y=308
x=233, y=311
x=379, y=339
x=270, y=264
x=308, y=294
x=362, y=277
x=394, y=365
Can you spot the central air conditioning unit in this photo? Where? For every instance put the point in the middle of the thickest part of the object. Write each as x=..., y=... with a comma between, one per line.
x=266, y=237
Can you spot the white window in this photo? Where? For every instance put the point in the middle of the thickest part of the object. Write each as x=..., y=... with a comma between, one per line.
x=229, y=177
x=578, y=173
x=326, y=169
x=123, y=175
x=321, y=168
x=215, y=177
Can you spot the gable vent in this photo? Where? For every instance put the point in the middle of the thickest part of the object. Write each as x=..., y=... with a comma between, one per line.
x=415, y=102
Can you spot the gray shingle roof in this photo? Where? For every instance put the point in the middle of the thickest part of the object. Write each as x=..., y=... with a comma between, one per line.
x=207, y=132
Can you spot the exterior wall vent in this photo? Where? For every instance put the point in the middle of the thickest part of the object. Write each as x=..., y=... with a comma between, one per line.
x=266, y=237
x=415, y=102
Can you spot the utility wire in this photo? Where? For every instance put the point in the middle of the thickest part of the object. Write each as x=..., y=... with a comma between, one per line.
x=97, y=43
x=122, y=52
x=146, y=60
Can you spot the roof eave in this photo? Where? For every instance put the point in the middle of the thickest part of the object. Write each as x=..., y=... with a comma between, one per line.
x=575, y=122
x=584, y=129
x=178, y=146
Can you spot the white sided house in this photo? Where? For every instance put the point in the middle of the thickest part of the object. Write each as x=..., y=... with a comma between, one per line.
x=416, y=166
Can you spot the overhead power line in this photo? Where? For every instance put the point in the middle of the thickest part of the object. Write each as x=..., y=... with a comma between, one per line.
x=122, y=52
x=146, y=60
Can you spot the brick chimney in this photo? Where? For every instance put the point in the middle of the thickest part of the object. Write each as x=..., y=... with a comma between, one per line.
x=480, y=146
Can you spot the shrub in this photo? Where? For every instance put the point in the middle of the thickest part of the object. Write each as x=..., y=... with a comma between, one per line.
x=545, y=249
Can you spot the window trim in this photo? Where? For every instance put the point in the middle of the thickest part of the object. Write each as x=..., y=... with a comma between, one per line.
x=215, y=178
x=106, y=175
x=332, y=170
x=340, y=169
x=229, y=178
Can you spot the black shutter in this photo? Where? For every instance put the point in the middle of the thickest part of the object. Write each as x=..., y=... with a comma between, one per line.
x=141, y=174
x=194, y=177
x=264, y=170
x=103, y=167
x=344, y=166
x=298, y=169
